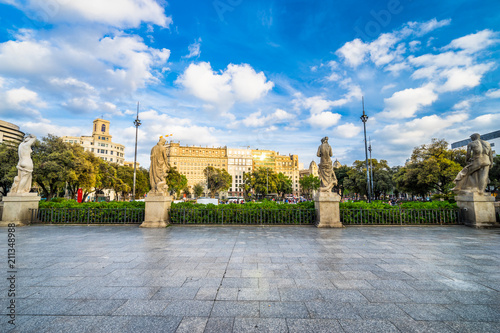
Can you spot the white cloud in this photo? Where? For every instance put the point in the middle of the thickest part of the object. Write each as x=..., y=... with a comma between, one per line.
x=257, y=120
x=155, y=124
x=238, y=83
x=396, y=68
x=387, y=47
x=492, y=93
x=21, y=101
x=44, y=127
x=117, y=13
x=414, y=45
x=474, y=42
x=354, y=52
x=115, y=62
x=431, y=25
x=348, y=130
x=405, y=103
x=460, y=78
x=247, y=84
x=388, y=86
x=324, y=120
x=421, y=130
x=194, y=49
x=318, y=104
x=441, y=60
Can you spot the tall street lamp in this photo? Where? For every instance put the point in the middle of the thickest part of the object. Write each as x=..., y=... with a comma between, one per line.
x=371, y=165
x=137, y=123
x=364, y=119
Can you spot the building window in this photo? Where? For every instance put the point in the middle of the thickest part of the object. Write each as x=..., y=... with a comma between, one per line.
x=103, y=128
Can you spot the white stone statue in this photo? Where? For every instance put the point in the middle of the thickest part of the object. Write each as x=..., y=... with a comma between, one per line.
x=325, y=170
x=23, y=180
x=474, y=176
x=158, y=168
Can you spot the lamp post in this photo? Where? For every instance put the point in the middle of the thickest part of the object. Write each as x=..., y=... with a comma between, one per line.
x=364, y=119
x=137, y=123
x=371, y=165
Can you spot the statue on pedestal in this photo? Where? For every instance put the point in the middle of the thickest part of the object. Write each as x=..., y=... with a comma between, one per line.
x=158, y=168
x=23, y=180
x=474, y=176
x=325, y=167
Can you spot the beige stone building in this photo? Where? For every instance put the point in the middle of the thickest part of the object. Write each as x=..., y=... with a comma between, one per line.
x=240, y=161
x=287, y=165
x=10, y=133
x=192, y=160
x=100, y=143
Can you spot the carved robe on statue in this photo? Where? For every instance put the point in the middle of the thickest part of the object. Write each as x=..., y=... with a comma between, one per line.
x=325, y=167
x=474, y=176
x=159, y=167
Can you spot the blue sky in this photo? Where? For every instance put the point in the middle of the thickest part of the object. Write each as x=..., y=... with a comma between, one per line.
x=266, y=74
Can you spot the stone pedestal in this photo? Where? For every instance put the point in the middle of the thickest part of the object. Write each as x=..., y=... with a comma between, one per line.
x=327, y=210
x=16, y=208
x=157, y=211
x=477, y=210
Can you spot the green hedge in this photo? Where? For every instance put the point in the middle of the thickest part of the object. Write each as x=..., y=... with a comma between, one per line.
x=64, y=203
x=266, y=212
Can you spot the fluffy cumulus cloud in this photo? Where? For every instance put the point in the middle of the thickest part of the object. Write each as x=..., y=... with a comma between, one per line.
x=388, y=47
x=117, y=13
x=422, y=129
x=21, y=101
x=237, y=83
x=324, y=119
x=405, y=103
x=156, y=124
x=348, y=130
x=318, y=104
x=44, y=127
x=474, y=42
x=82, y=66
x=258, y=120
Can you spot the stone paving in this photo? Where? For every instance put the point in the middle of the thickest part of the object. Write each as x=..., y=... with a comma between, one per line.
x=253, y=279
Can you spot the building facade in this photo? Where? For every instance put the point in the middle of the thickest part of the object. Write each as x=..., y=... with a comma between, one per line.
x=239, y=162
x=493, y=138
x=100, y=143
x=190, y=161
x=10, y=133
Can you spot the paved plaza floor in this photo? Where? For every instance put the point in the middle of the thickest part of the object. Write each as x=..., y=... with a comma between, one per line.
x=253, y=279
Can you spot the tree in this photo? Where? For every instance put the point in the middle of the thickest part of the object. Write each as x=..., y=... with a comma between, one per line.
x=495, y=173
x=283, y=184
x=8, y=170
x=217, y=180
x=383, y=183
x=84, y=172
x=309, y=183
x=198, y=190
x=126, y=174
x=432, y=168
x=186, y=191
x=107, y=177
x=54, y=163
x=342, y=174
x=175, y=181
